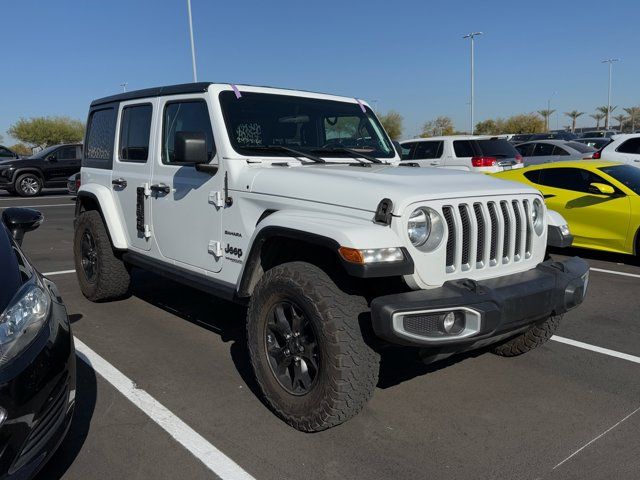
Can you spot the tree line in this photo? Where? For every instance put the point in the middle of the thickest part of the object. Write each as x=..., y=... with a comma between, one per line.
x=41, y=132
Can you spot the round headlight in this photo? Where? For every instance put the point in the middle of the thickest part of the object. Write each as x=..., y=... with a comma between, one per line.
x=419, y=227
x=537, y=216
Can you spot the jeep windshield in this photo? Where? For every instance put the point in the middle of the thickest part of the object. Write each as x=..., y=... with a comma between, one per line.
x=260, y=123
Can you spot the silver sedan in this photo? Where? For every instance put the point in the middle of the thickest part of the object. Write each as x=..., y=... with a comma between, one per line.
x=545, y=151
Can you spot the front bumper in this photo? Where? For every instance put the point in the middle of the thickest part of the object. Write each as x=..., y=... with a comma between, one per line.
x=495, y=308
x=37, y=391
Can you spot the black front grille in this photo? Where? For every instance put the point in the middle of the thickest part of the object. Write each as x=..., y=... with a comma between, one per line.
x=507, y=230
x=428, y=324
x=451, y=241
x=477, y=208
x=466, y=233
x=493, y=254
x=48, y=422
x=516, y=212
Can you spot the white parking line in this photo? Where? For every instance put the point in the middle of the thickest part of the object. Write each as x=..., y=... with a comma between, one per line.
x=598, y=437
x=593, y=348
x=210, y=456
x=23, y=199
x=40, y=206
x=614, y=272
x=59, y=272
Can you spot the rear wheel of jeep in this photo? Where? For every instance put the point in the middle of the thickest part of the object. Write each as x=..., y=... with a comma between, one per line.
x=308, y=352
x=28, y=185
x=101, y=274
x=535, y=336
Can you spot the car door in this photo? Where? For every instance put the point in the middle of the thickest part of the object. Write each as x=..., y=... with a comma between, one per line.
x=185, y=213
x=131, y=174
x=594, y=219
x=68, y=159
x=628, y=151
x=428, y=153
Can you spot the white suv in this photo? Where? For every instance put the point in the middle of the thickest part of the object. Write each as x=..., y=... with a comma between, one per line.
x=472, y=153
x=296, y=205
x=623, y=148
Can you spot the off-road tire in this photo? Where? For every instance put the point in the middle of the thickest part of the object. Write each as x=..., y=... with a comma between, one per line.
x=535, y=336
x=349, y=368
x=34, y=179
x=112, y=279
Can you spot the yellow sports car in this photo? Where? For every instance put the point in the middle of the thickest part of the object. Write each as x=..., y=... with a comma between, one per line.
x=599, y=199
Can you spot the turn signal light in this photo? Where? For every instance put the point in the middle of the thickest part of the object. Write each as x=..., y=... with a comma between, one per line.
x=483, y=161
x=371, y=255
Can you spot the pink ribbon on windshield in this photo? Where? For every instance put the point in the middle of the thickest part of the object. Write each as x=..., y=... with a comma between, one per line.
x=364, y=110
x=235, y=90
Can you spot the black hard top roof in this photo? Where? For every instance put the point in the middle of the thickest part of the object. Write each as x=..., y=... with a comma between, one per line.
x=155, y=92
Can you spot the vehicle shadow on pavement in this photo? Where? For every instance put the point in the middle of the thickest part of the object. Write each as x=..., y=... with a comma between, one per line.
x=597, y=255
x=86, y=394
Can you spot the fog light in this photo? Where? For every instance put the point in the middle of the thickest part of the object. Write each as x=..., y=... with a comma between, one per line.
x=453, y=323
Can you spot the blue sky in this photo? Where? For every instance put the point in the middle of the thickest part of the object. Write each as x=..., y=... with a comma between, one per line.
x=408, y=55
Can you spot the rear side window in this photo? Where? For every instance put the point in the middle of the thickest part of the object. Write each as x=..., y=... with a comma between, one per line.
x=188, y=116
x=543, y=150
x=425, y=150
x=100, y=136
x=498, y=148
x=463, y=148
x=135, y=129
x=525, y=150
x=581, y=147
x=630, y=146
x=559, y=151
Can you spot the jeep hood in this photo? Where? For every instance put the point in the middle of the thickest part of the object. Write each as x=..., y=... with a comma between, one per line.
x=363, y=187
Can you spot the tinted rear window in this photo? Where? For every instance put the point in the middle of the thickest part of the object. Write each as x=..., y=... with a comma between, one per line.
x=463, y=148
x=581, y=147
x=496, y=148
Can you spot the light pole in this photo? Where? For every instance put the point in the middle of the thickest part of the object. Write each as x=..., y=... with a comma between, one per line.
x=193, y=48
x=610, y=62
x=549, y=109
x=471, y=36
x=124, y=86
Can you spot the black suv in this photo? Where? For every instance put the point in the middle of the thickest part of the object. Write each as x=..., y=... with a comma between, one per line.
x=48, y=168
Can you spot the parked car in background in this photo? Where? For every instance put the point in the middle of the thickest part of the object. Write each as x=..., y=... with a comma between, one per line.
x=600, y=200
x=598, y=134
x=596, y=143
x=7, y=154
x=622, y=148
x=37, y=358
x=48, y=168
x=73, y=183
x=520, y=137
x=473, y=153
x=553, y=136
x=545, y=151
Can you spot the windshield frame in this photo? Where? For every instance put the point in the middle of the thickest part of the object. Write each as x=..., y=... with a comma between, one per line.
x=248, y=151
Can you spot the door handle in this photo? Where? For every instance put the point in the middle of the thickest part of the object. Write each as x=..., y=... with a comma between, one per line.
x=119, y=182
x=160, y=188
x=433, y=164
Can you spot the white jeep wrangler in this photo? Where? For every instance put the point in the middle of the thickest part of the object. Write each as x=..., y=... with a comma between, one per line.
x=296, y=204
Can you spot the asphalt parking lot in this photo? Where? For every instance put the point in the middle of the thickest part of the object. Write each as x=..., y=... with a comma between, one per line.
x=564, y=411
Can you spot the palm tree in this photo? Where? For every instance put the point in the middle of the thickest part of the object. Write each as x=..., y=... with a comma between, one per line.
x=597, y=117
x=546, y=114
x=607, y=113
x=621, y=119
x=634, y=113
x=573, y=114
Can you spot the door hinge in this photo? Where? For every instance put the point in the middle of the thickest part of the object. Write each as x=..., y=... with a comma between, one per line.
x=215, y=248
x=147, y=190
x=217, y=199
x=147, y=231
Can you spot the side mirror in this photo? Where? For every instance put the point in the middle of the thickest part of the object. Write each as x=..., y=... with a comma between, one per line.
x=21, y=220
x=190, y=147
x=601, y=189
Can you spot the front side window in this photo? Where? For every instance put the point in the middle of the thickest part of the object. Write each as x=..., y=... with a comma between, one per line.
x=559, y=151
x=100, y=133
x=66, y=153
x=525, y=150
x=630, y=146
x=575, y=179
x=135, y=129
x=187, y=116
x=322, y=127
x=426, y=150
x=543, y=150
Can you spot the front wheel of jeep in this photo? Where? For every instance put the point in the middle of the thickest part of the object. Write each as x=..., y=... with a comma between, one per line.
x=101, y=274
x=535, y=336
x=308, y=352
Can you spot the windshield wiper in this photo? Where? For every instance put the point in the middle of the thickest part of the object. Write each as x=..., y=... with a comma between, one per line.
x=348, y=151
x=281, y=148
